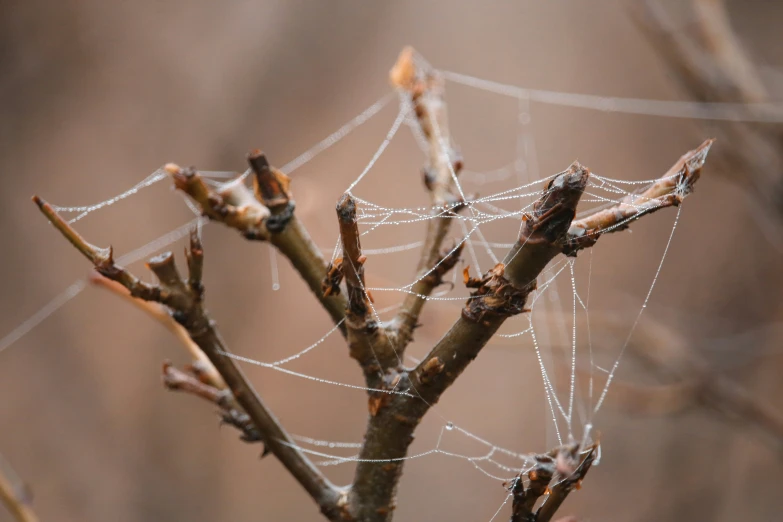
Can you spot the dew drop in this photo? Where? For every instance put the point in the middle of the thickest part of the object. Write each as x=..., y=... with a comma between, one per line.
x=449, y=425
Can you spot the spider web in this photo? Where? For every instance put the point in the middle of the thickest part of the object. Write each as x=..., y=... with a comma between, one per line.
x=557, y=329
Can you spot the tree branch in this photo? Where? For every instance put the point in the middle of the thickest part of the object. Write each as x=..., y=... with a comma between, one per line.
x=668, y=191
x=568, y=480
x=567, y=466
x=290, y=237
x=230, y=413
x=14, y=494
x=425, y=87
x=267, y=216
x=499, y=294
x=185, y=299
x=367, y=340
x=525, y=498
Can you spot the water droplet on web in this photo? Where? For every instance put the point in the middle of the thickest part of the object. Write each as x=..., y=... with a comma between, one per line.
x=275, y=287
x=449, y=425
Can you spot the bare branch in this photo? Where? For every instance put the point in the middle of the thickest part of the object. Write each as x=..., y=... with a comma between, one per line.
x=668, y=191
x=367, y=340
x=14, y=494
x=566, y=466
x=267, y=215
x=233, y=204
x=568, y=480
x=185, y=301
x=525, y=498
x=426, y=90
x=501, y=293
x=177, y=380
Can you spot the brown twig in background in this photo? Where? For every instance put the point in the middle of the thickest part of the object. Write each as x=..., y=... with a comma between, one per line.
x=690, y=381
x=184, y=298
x=14, y=494
x=207, y=371
x=711, y=65
x=425, y=88
x=399, y=397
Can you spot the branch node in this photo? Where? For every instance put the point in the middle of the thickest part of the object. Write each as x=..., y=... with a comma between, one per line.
x=495, y=296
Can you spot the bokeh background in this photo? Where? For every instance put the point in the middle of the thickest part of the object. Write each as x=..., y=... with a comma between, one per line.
x=96, y=95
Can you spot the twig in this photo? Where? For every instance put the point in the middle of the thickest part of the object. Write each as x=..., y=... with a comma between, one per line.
x=565, y=485
x=185, y=299
x=525, y=498
x=233, y=204
x=268, y=216
x=177, y=380
x=668, y=191
x=425, y=88
x=14, y=494
x=567, y=466
x=367, y=340
x=727, y=50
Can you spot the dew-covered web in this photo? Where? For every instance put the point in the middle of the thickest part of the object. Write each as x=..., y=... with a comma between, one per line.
x=573, y=397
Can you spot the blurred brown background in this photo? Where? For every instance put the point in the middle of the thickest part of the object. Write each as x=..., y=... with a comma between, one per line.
x=96, y=95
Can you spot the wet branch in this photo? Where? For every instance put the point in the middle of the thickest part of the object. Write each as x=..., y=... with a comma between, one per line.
x=185, y=300
x=425, y=88
x=190, y=382
x=500, y=293
x=668, y=191
x=555, y=475
x=266, y=215
x=368, y=341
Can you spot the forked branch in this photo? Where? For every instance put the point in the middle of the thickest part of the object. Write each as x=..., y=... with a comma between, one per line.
x=500, y=293
x=400, y=397
x=267, y=215
x=185, y=300
x=425, y=88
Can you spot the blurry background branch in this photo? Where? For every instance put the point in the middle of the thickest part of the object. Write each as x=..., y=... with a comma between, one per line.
x=710, y=63
x=14, y=494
